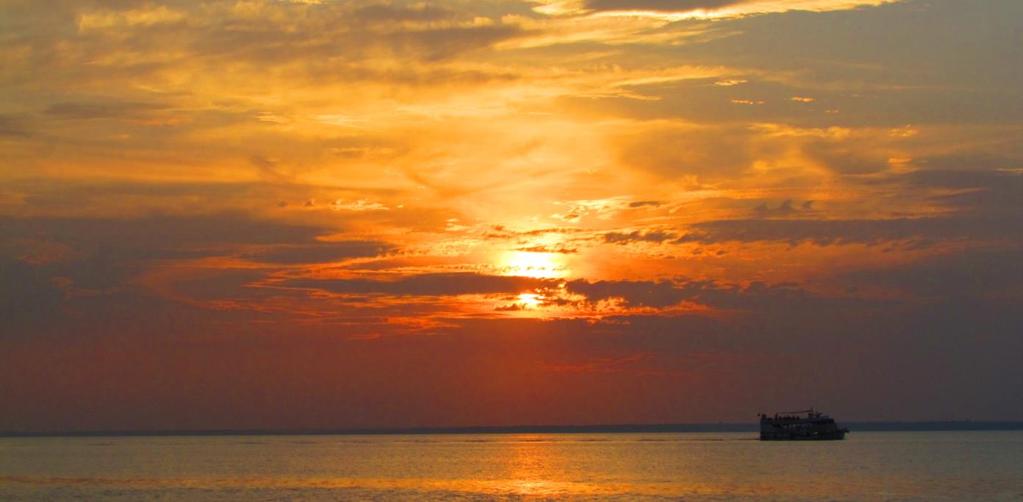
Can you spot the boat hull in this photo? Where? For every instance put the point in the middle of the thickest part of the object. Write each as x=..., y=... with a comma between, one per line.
x=792, y=436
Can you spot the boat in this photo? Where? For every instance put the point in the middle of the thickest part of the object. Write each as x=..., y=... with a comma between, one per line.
x=800, y=425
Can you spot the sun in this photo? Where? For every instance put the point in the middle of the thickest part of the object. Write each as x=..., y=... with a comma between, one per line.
x=530, y=264
x=530, y=300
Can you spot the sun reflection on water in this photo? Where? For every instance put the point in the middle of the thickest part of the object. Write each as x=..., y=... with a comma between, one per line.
x=536, y=469
x=692, y=466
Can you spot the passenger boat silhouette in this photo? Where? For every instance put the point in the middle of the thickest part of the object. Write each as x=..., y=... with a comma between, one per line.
x=799, y=425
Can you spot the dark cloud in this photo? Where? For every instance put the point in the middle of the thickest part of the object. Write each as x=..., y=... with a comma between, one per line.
x=884, y=66
x=28, y=295
x=13, y=126
x=635, y=293
x=983, y=191
x=784, y=209
x=104, y=253
x=645, y=203
x=665, y=293
x=833, y=232
x=161, y=232
x=893, y=64
x=46, y=196
x=654, y=236
x=969, y=162
x=984, y=205
x=981, y=274
x=319, y=253
x=441, y=284
x=96, y=199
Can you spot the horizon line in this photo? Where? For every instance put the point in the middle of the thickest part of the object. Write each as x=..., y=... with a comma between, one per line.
x=863, y=426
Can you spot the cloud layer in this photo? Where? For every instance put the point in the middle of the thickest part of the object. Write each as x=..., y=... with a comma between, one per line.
x=463, y=213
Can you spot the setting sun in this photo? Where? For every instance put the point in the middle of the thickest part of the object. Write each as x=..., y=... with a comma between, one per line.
x=529, y=300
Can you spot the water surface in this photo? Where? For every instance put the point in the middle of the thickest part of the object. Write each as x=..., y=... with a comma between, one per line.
x=695, y=466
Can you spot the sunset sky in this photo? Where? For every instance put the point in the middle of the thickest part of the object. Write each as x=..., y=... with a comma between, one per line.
x=340, y=214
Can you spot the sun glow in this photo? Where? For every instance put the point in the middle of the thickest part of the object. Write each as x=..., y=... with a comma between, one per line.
x=530, y=264
x=529, y=300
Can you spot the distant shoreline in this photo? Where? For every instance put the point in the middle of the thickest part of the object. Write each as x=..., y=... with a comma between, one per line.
x=539, y=429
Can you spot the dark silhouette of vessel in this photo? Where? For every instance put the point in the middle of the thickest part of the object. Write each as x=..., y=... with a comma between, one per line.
x=803, y=425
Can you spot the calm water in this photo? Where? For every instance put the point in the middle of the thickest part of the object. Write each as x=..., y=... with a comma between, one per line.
x=693, y=466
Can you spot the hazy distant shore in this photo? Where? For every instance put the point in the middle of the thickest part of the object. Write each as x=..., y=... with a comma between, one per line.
x=544, y=429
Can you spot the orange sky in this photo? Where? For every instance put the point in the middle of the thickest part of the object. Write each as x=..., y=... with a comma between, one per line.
x=320, y=213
